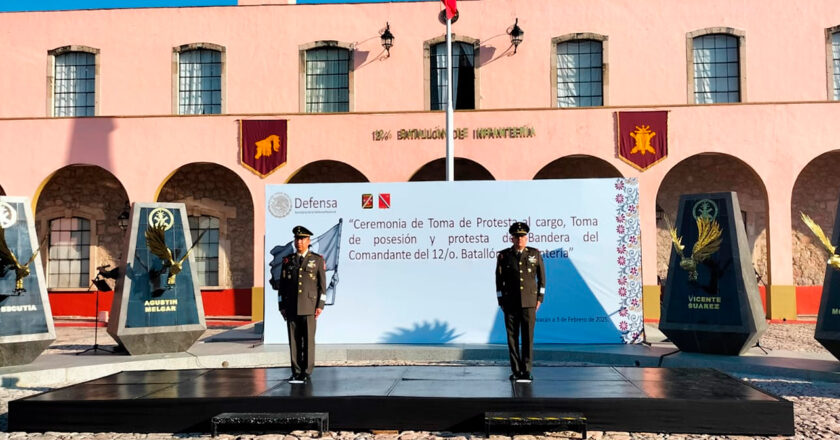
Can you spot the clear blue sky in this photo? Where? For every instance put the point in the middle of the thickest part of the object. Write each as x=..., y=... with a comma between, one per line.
x=54, y=5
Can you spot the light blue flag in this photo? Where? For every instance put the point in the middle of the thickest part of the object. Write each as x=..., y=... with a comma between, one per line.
x=326, y=244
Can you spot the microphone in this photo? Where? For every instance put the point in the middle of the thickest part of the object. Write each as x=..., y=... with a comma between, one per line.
x=104, y=266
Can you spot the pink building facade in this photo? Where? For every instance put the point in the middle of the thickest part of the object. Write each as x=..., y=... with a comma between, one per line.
x=764, y=124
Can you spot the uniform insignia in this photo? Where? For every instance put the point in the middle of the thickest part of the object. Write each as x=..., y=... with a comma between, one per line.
x=310, y=264
x=532, y=260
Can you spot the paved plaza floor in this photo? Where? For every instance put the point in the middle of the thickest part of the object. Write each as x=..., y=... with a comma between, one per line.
x=788, y=363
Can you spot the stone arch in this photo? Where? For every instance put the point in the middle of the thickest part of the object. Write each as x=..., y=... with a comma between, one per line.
x=815, y=193
x=214, y=190
x=578, y=166
x=715, y=172
x=90, y=192
x=327, y=171
x=465, y=169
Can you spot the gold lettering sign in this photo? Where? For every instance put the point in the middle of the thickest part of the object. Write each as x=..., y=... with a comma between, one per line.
x=439, y=133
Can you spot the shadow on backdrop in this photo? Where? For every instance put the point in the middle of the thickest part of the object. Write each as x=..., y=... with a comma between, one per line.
x=566, y=296
x=422, y=333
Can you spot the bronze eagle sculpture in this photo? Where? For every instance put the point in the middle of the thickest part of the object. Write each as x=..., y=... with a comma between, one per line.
x=709, y=238
x=155, y=239
x=8, y=260
x=833, y=259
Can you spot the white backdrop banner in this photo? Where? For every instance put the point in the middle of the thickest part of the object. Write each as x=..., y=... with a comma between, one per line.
x=413, y=262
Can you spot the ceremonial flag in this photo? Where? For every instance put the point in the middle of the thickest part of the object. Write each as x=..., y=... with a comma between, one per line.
x=262, y=145
x=326, y=245
x=451, y=9
x=642, y=138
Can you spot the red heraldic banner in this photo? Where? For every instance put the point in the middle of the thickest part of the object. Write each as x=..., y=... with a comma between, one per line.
x=642, y=138
x=262, y=145
x=451, y=9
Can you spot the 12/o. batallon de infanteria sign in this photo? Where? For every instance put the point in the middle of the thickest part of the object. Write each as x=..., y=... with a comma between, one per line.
x=436, y=133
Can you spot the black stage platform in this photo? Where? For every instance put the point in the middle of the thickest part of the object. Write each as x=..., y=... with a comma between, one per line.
x=435, y=398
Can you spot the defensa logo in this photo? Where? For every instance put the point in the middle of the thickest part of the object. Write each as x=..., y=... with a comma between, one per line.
x=280, y=205
x=313, y=203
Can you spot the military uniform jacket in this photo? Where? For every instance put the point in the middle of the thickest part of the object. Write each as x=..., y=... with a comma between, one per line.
x=302, y=287
x=520, y=282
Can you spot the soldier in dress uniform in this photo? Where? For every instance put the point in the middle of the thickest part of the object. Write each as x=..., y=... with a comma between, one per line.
x=520, y=289
x=302, y=294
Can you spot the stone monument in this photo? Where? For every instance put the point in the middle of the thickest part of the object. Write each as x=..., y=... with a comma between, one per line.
x=157, y=304
x=711, y=302
x=26, y=323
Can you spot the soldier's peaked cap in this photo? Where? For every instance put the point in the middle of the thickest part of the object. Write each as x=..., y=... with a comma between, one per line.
x=519, y=228
x=300, y=231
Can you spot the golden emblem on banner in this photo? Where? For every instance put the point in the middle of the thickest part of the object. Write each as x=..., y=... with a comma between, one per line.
x=267, y=146
x=642, y=135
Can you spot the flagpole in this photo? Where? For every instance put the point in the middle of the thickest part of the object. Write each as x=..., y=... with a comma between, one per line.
x=450, y=122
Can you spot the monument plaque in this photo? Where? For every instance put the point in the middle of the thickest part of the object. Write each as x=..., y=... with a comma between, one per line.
x=26, y=324
x=157, y=304
x=711, y=302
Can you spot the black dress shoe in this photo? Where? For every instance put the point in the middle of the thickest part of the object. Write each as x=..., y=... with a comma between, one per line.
x=306, y=378
x=513, y=376
x=525, y=378
x=296, y=378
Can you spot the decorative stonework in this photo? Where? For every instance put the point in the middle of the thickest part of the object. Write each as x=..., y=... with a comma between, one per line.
x=92, y=193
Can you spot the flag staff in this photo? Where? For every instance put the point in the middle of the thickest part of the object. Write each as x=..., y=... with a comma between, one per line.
x=450, y=119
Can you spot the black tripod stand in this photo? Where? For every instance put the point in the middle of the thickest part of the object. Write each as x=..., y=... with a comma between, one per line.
x=101, y=286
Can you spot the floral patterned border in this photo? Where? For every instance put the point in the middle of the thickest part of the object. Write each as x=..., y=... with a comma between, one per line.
x=629, y=251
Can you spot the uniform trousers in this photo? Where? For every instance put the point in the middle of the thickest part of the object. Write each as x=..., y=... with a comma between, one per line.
x=301, y=343
x=520, y=321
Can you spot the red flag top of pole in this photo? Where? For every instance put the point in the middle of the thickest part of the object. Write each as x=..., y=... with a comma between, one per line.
x=451, y=9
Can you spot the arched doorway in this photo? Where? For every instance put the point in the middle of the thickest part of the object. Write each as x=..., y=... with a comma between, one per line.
x=816, y=194
x=713, y=172
x=78, y=211
x=219, y=202
x=578, y=166
x=465, y=169
x=327, y=171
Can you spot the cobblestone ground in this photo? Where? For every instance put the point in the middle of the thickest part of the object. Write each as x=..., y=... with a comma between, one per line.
x=816, y=404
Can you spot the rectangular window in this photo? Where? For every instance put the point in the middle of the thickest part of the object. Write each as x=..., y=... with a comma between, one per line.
x=716, y=69
x=69, y=253
x=206, y=252
x=580, y=68
x=75, y=84
x=463, y=76
x=327, y=80
x=200, y=82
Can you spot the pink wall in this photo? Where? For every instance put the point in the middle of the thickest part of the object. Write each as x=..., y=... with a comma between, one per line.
x=785, y=62
x=785, y=50
x=143, y=152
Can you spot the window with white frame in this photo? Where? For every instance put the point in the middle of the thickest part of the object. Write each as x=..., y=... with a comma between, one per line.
x=74, y=90
x=835, y=55
x=327, y=80
x=716, y=69
x=580, y=68
x=69, y=253
x=206, y=252
x=200, y=82
x=463, y=76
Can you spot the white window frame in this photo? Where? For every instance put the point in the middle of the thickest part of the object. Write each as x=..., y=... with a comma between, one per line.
x=51, y=54
x=742, y=59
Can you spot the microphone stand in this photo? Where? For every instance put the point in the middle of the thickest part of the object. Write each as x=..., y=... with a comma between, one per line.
x=98, y=281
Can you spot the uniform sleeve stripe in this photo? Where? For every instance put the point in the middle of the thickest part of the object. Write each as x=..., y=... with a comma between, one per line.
x=542, y=290
x=323, y=297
